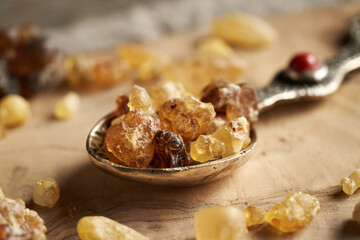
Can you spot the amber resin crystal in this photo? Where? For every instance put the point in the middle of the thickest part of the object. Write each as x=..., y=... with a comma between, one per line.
x=19, y=222
x=297, y=211
x=220, y=223
x=130, y=139
x=233, y=100
x=254, y=216
x=101, y=228
x=235, y=135
x=187, y=116
x=46, y=192
x=206, y=148
x=352, y=183
x=169, y=149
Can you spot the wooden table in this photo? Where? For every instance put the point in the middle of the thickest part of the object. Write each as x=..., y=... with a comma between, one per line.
x=305, y=147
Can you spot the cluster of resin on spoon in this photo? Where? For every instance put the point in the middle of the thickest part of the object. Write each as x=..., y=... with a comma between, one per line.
x=172, y=128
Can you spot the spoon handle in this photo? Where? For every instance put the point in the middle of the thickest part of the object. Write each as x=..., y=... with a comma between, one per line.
x=285, y=87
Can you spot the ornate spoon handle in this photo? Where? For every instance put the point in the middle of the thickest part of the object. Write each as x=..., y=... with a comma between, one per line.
x=289, y=85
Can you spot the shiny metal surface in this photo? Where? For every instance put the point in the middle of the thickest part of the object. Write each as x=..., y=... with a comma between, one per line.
x=285, y=88
x=281, y=89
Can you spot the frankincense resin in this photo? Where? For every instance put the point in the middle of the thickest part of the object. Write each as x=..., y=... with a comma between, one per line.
x=352, y=183
x=46, y=192
x=101, y=228
x=295, y=212
x=220, y=223
x=254, y=216
x=19, y=222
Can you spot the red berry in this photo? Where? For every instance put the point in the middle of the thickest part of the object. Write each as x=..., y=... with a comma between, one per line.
x=304, y=62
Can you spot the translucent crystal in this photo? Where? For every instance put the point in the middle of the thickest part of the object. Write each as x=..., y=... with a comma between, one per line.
x=206, y=148
x=67, y=106
x=220, y=223
x=356, y=213
x=247, y=105
x=139, y=99
x=130, y=139
x=14, y=110
x=297, y=211
x=196, y=73
x=349, y=186
x=352, y=183
x=214, y=47
x=254, y=215
x=169, y=150
x=148, y=71
x=146, y=62
x=46, y=192
x=92, y=73
x=165, y=90
x=136, y=54
x=235, y=135
x=105, y=73
x=221, y=93
x=187, y=116
x=355, y=176
x=244, y=30
x=18, y=222
x=101, y=228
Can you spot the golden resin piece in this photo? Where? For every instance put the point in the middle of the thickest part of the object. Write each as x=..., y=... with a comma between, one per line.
x=254, y=216
x=214, y=47
x=356, y=213
x=105, y=73
x=202, y=71
x=14, y=110
x=352, y=183
x=67, y=106
x=220, y=223
x=136, y=54
x=165, y=90
x=74, y=71
x=101, y=228
x=144, y=61
x=221, y=93
x=129, y=139
x=18, y=222
x=297, y=211
x=234, y=100
x=244, y=30
x=82, y=71
x=235, y=135
x=187, y=116
x=206, y=148
x=348, y=186
x=139, y=99
x=46, y=192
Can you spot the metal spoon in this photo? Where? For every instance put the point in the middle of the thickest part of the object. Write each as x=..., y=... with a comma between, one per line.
x=287, y=85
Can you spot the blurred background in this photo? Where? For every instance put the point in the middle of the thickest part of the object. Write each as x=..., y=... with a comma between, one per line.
x=84, y=25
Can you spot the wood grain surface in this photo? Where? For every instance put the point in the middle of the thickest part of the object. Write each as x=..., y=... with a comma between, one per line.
x=305, y=147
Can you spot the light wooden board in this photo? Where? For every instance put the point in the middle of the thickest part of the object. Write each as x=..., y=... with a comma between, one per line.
x=305, y=147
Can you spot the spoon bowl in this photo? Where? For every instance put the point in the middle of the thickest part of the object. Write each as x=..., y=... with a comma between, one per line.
x=179, y=176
